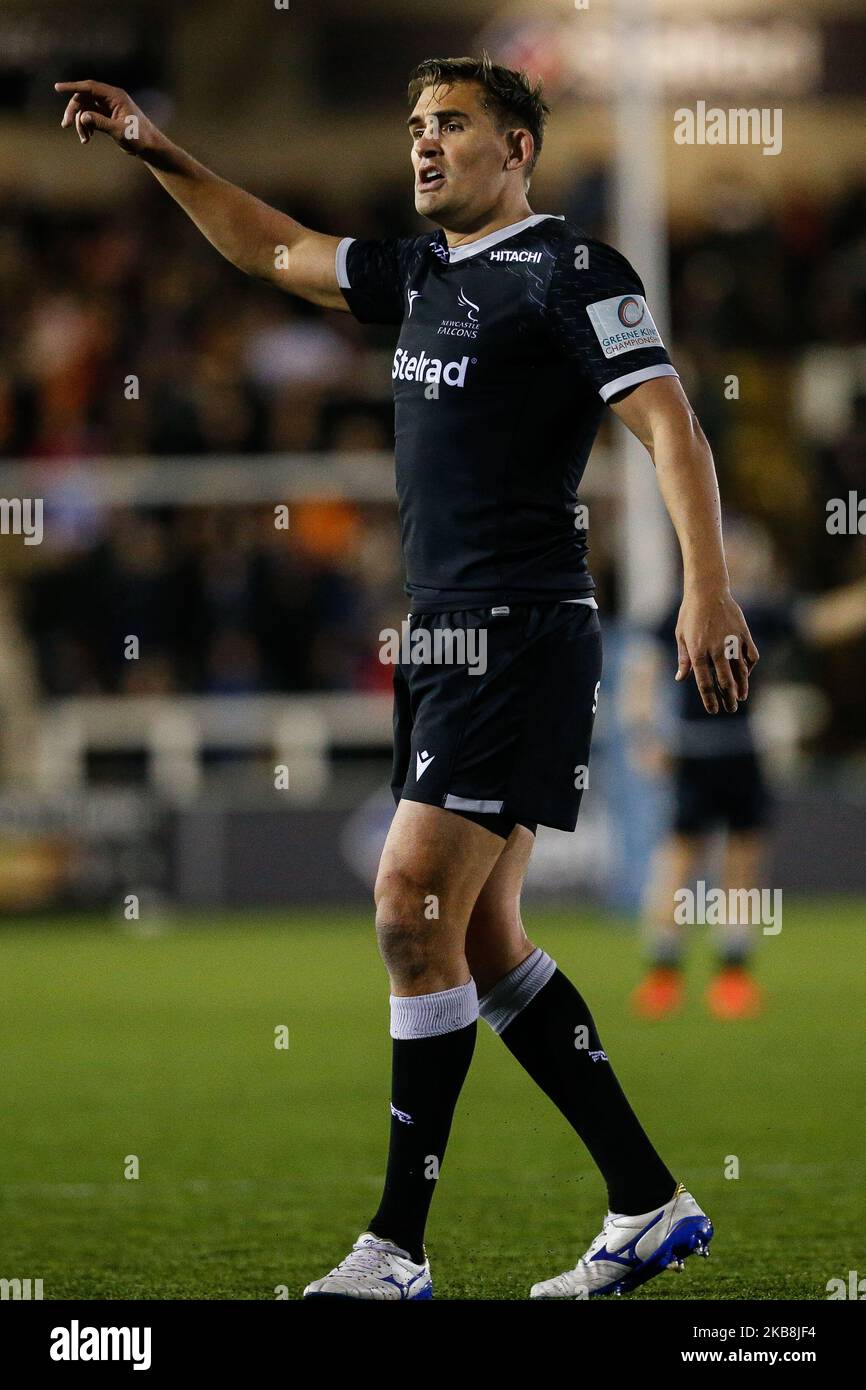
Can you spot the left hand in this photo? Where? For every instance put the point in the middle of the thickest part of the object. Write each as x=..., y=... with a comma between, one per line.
x=714, y=642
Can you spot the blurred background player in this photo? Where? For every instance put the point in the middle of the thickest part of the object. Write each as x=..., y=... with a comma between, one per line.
x=718, y=779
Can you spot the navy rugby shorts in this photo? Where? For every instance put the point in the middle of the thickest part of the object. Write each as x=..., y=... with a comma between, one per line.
x=496, y=723
x=715, y=792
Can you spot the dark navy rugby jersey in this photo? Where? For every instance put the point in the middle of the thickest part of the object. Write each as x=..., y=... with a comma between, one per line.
x=509, y=347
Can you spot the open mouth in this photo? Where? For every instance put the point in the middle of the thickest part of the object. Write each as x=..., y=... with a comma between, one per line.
x=429, y=179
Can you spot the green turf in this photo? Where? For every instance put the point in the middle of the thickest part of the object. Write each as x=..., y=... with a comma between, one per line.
x=258, y=1166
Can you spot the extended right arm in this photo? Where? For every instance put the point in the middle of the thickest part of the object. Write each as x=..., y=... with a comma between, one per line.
x=252, y=235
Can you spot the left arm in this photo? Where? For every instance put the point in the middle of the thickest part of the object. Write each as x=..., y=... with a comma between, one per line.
x=713, y=638
x=833, y=617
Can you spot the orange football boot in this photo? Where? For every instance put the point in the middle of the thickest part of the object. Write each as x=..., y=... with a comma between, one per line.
x=660, y=995
x=734, y=994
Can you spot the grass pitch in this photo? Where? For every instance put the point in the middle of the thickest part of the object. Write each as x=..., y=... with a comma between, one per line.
x=258, y=1166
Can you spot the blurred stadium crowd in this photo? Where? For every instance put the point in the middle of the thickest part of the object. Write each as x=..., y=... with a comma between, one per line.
x=769, y=332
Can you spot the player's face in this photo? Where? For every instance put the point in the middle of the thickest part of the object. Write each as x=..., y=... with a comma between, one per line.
x=458, y=156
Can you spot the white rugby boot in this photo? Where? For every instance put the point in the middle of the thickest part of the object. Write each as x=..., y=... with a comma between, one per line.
x=374, y=1268
x=629, y=1250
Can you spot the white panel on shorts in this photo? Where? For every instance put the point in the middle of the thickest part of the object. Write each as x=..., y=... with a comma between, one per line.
x=465, y=803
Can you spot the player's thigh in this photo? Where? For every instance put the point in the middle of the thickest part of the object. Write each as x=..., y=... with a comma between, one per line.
x=682, y=857
x=434, y=865
x=744, y=853
x=675, y=864
x=496, y=940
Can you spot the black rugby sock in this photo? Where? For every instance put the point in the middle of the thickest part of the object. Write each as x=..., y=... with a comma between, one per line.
x=428, y=1074
x=555, y=1039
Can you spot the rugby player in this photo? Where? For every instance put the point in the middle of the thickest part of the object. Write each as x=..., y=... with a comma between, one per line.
x=516, y=330
x=718, y=779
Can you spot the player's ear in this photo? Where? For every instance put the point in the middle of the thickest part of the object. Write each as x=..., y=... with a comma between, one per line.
x=519, y=145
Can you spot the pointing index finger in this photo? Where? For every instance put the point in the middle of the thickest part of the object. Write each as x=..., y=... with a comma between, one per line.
x=86, y=86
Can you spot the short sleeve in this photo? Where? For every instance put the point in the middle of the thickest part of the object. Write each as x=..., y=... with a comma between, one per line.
x=371, y=275
x=599, y=317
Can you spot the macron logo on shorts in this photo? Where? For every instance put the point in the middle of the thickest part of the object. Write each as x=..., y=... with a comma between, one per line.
x=422, y=762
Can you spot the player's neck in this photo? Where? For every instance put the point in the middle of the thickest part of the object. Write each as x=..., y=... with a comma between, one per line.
x=493, y=221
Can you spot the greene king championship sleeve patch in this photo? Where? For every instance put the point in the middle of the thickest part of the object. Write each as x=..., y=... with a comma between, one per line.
x=623, y=323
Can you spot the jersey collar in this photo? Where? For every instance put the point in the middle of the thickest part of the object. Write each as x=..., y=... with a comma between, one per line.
x=451, y=255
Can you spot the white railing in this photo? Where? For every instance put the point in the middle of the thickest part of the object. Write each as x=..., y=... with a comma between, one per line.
x=298, y=731
x=225, y=479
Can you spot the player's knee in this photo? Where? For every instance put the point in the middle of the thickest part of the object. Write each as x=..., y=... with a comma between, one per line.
x=407, y=924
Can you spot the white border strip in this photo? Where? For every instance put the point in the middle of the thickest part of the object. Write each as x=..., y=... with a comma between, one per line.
x=462, y=253
x=340, y=266
x=511, y=995
x=465, y=803
x=645, y=374
x=432, y=1015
